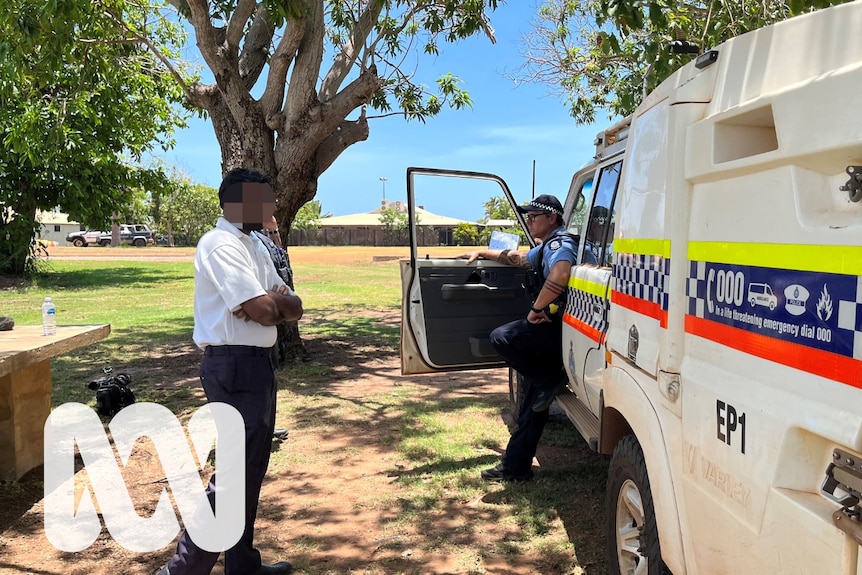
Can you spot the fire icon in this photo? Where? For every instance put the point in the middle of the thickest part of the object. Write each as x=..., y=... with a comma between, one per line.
x=824, y=305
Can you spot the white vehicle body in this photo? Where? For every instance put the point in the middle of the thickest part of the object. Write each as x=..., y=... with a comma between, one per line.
x=739, y=171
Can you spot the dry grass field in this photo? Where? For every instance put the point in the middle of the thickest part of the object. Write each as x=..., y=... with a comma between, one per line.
x=298, y=254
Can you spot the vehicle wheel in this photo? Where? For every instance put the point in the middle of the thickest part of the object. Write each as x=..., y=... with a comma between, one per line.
x=139, y=242
x=752, y=302
x=632, y=538
x=79, y=243
x=516, y=397
x=771, y=305
x=104, y=243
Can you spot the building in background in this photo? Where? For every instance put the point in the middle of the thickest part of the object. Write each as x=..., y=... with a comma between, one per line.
x=367, y=229
x=53, y=226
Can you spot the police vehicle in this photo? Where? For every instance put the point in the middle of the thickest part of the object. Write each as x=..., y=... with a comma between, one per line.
x=717, y=355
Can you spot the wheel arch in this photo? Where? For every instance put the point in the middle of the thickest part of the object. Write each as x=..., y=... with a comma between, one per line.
x=627, y=410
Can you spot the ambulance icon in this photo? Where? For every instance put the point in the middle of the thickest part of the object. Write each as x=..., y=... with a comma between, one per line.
x=761, y=294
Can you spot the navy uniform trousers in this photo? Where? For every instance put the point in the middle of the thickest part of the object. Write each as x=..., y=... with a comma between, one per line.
x=535, y=351
x=243, y=377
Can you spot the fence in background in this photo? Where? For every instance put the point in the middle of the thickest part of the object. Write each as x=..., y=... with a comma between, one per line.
x=367, y=236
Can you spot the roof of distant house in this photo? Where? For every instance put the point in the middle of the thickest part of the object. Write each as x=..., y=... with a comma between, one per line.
x=500, y=223
x=426, y=218
x=54, y=218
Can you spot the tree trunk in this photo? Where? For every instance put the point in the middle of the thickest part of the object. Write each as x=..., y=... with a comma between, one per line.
x=18, y=229
x=252, y=146
x=248, y=146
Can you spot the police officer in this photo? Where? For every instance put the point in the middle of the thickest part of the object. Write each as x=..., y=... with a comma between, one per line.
x=533, y=346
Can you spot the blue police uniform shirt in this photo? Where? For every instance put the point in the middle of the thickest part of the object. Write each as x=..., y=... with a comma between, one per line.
x=560, y=248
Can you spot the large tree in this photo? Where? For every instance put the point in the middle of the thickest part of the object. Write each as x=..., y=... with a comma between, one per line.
x=605, y=55
x=80, y=101
x=296, y=81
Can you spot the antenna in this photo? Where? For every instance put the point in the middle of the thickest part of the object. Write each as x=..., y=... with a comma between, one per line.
x=534, y=180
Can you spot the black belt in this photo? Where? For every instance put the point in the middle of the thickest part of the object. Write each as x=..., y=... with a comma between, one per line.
x=237, y=350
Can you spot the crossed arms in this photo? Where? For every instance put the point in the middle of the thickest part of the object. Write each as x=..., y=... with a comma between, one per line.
x=276, y=306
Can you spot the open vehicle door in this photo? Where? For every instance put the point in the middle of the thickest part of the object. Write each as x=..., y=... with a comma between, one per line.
x=449, y=308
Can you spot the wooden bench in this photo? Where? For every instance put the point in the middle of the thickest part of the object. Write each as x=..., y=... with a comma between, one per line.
x=25, y=389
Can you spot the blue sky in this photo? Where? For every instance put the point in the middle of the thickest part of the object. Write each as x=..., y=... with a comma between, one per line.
x=507, y=128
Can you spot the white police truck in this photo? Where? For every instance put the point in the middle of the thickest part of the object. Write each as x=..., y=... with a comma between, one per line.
x=717, y=356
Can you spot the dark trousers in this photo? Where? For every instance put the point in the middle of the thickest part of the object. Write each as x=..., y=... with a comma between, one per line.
x=535, y=351
x=242, y=377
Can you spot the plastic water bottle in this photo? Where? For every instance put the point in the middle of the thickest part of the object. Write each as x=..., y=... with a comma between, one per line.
x=49, y=317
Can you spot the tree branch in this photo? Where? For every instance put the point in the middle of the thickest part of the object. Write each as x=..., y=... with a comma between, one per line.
x=157, y=53
x=255, y=49
x=347, y=134
x=273, y=95
x=223, y=64
x=350, y=51
x=202, y=95
x=205, y=36
x=330, y=116
x=306, y=69
x=243, y=11
x=182, y=6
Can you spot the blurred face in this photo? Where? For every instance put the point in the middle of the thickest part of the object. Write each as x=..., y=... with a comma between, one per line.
x=248, y=206
x=540, y=223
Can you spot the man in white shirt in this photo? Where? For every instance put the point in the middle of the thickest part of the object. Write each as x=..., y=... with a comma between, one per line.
x=239, y=301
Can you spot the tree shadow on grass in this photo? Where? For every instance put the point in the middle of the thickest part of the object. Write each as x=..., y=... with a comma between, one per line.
x=110, y=275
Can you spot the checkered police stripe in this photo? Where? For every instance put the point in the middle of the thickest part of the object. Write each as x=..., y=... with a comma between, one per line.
x=850, y=318
x=695, y=288
x=642, y=277
x=582, y=306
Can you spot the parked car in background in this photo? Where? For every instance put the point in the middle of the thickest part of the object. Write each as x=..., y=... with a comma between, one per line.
x=138, y=235
x=84, y=238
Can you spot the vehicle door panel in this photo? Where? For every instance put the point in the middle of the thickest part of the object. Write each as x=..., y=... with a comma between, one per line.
x=455, y=307
x=449, y=307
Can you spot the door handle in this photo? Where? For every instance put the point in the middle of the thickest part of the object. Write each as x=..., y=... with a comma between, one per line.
x=483, y=292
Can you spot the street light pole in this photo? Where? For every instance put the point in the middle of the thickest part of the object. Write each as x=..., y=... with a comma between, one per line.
x=384, y=187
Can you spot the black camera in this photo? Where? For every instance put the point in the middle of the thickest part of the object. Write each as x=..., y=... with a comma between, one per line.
x=112, y=392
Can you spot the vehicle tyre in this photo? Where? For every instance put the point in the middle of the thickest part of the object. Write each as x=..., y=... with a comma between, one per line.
x=79, y=243
x=104, y=243
x=752, y=302
x=632, y=537
x=516, y=397
x=139, y=242
x=771, y=306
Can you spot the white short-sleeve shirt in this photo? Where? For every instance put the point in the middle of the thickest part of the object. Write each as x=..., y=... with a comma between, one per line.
x=229, y=271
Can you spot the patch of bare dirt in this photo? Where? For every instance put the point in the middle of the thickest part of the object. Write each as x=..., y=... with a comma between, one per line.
x=323, y=511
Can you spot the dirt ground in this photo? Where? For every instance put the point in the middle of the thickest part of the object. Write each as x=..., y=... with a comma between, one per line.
x=322, y=511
